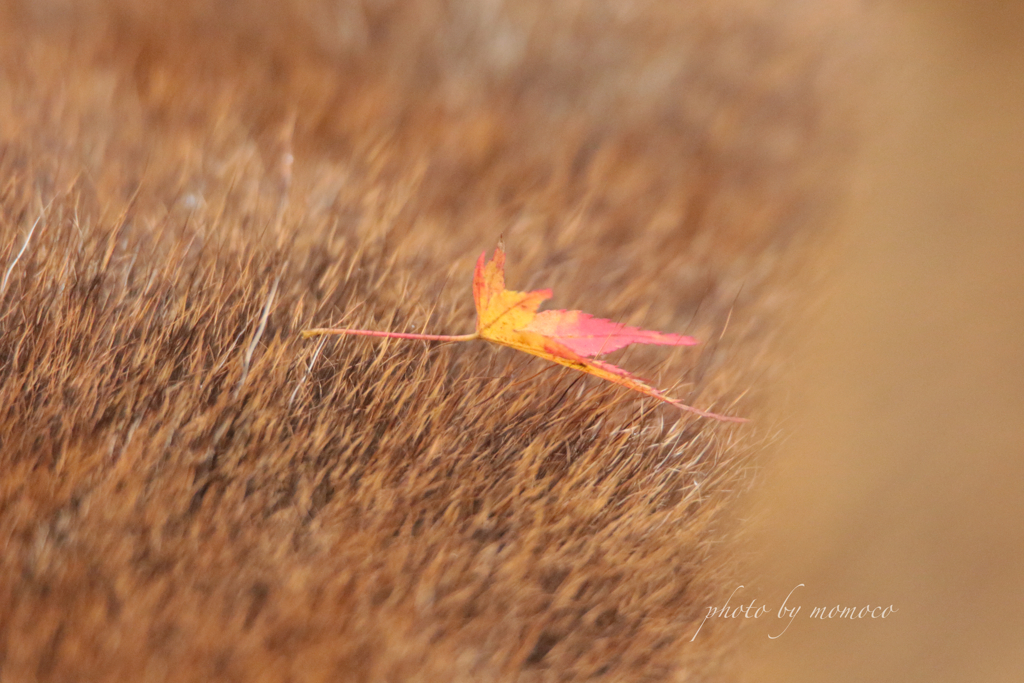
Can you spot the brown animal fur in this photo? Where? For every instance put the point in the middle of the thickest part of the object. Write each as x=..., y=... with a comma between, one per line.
x=190, y=491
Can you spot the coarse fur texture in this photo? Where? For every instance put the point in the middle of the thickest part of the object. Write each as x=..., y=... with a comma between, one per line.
x=190, y=491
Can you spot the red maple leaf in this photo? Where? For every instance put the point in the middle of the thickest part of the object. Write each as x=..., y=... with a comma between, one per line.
x=571, y=338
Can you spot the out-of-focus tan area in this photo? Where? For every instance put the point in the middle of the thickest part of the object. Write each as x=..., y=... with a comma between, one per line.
x=901, y=482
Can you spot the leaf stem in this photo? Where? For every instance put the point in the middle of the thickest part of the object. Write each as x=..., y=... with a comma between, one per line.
x=306, y=334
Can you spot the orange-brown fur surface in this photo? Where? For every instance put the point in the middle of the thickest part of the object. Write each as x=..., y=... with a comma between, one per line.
x=189, y=491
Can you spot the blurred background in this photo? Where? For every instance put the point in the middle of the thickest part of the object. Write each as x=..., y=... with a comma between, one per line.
x=900, y=479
